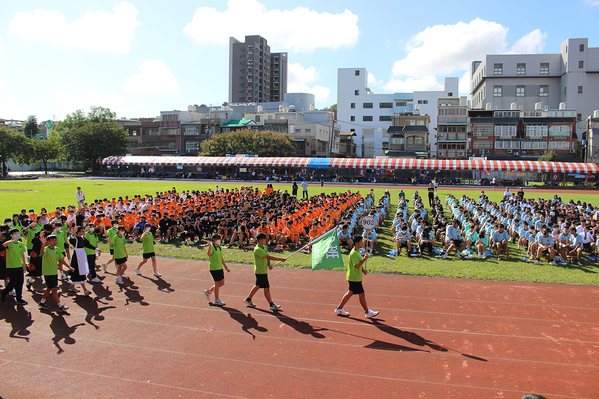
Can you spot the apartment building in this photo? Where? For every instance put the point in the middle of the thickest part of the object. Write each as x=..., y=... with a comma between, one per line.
x=592, y=142
x=408, y=137
x=452, y=128
x=256, y=74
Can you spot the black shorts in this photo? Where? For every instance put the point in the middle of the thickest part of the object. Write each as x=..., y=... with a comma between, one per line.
x=51, y=281
x=219, y=275
x=36, y=262
x=457, y=243
x=571, y=248
x=120, y=261
x=111, y=251
x=149, y=255
x=262, y=281
x=356, y=287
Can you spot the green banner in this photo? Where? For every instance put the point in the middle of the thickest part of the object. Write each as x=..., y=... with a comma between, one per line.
x=326, y=253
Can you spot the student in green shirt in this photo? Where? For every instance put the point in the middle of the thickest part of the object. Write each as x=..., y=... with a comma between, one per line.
x=51, y=255
x=261, y=266
x=16, y=265
x=120, y=253
x=91, y=236
x=217, y=262
x=147, y=244
x=110, y=234
x=355, y=269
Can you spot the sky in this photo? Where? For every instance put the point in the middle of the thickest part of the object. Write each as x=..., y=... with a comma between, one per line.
x=139, y=58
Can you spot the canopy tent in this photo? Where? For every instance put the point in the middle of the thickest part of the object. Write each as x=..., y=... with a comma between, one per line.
x=359, y=163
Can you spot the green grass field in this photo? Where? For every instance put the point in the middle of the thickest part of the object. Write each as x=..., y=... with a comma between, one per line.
x=49, y=193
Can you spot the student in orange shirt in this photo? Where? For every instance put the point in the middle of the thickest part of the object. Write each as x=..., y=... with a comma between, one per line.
x=264, y=229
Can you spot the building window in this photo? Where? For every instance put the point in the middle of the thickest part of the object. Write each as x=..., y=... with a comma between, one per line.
x=192, y=145
x=544, y=68
x=367, y=118
x=579, y=89
x=385, y=118
x=352, y=130
x=565, y=90
x=400, y=103
x=520, y=69
x=580, y=64
x=423, y=101
x=520, y=91
x=366, y=105
x=385, y=145
x=397, y=140
x=352, y=105
x=450, y=94
x=357, y=72
x=581, y=47
x=352, y=118
x=497, y=91
x=357, y=92
x=579, y=117
x=385, y=105
x=543, y=91
x=420, y=122
x=498, y=69
x=412, y=122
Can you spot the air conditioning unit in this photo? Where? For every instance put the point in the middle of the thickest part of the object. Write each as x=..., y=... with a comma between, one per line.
x=516, y=153
x=543, y=152
x=523, y=152
x=488, y=151
x=509, y=151
x=441, y=153
x=460, y=153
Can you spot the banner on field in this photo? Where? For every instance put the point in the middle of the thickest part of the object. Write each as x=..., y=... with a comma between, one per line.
x=326, y=253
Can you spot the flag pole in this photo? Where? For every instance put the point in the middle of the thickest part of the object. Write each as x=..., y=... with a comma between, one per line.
x=311, y=242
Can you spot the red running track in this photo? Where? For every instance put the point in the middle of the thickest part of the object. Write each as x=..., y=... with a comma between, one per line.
x=435, y=338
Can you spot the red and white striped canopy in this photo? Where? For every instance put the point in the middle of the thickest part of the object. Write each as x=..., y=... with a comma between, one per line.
x=360, y=163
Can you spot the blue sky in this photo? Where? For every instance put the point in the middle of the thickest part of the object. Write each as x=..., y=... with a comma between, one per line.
x=139, y=58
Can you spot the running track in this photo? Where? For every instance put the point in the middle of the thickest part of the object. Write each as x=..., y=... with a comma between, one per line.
x=435, y=338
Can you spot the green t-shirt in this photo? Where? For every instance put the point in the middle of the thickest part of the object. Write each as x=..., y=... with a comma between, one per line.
x=119, y=247
x=148, y=243
x=50, y=260
x=260, y=262
x=111, y=233
x=354, y=273
x=14, y=255
x=216, y=259
x=61, y=237
x=93, y=240
x=31, y=233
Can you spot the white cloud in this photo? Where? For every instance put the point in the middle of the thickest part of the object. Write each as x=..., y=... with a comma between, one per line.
x=464, y=86
x=155, y=78
x=426, y=83
x=300, y=29
x=531, y=43
x=3, y=85
x=372, y=81
x=96, y=31
x=70, y=102
x=445, y=49
x=592, y=2
x=298, y=79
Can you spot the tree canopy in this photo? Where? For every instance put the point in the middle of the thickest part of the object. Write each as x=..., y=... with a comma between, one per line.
x=13, y=146
x=551, y=156
x=264, y=144
x=31, y=128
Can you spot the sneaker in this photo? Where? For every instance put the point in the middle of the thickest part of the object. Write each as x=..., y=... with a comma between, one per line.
x=274, y=306
x=44, y=305
x=21, y=302
x=63, y=308
x=191, y=243
x=95, y=280
x=457, y=255
x=371, y=314
x=63, y=276
x=87, y=292
x=579, y=264
x=156, y=274
x=12, y=292
x=484, y=256
x=249, y=302
x=137, y=271
x=208, y=293
x=72, y=288
x=554, y=263
x=537, y=262
x=341, y=312
x=445, y=255
x=480, y=256
x=469, y=257
x=28, y=285
x=104, y=266
x=218, y=302
x=119, y=280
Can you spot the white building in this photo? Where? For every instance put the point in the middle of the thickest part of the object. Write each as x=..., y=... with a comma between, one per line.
x=570, y=76
x=369, y=115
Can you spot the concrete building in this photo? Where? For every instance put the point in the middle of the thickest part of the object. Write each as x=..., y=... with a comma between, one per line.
x=256, y=74
x=347, y=146
x=369, y=115
x=592, y=143
x=523, y=135
x=301, y=102
x=408, y=137
x=452, y=128
x=570, y=76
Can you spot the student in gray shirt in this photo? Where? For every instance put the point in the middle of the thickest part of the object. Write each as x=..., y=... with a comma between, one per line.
x=500, y=239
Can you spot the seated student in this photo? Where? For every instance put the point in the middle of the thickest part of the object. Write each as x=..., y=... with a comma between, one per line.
x=139, y=226
x=345, y=238
x=222, y=229
x=575, y=247
x=472, y=236
x=264, y=229
x=189, y=233
x=289, y=235
x=241, y=234
x=370, y=240
x=500, y=240
x=588, y=241
x=426, y=241
x=481, y=244
x=453, y=239
x=403, y=239
x=419, y=228
x=523, y=234
x=544, y=242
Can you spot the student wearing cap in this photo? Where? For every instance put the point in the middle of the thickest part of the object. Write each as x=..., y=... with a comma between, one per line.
x=50, y=256
x=15, y=267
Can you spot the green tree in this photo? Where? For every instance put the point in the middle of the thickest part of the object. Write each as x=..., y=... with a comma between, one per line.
x=264, y=144
x=551, y=156
x=46, y=150
x=88, y=138
x=331, y=108
x=14, y=145
x=31, y=128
